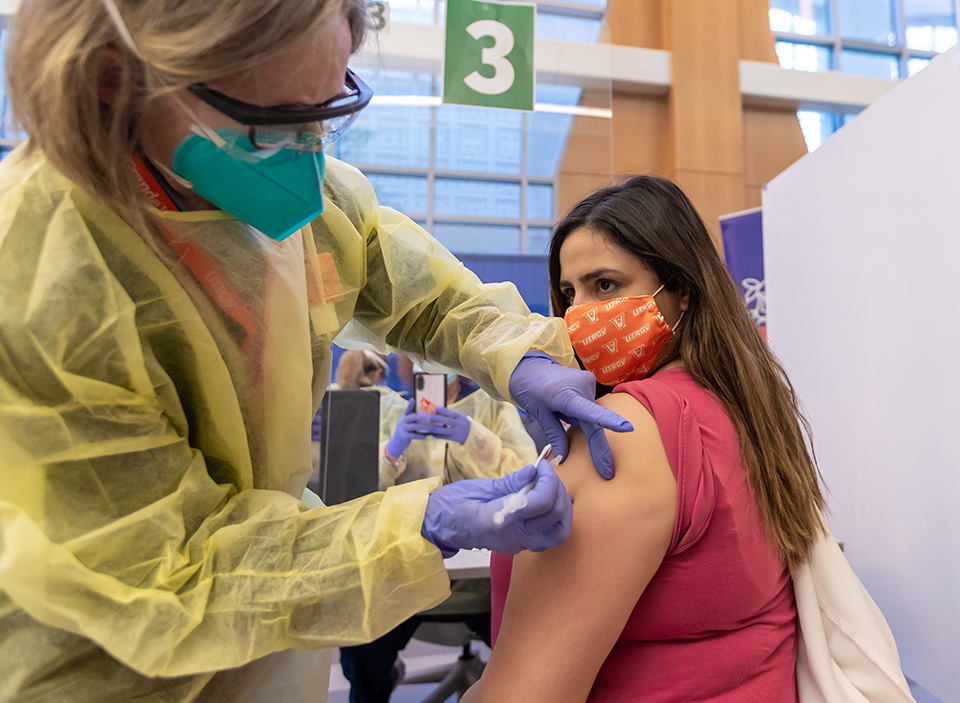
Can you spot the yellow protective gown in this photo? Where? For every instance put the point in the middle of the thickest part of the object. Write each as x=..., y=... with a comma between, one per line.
x=497, y=444
x=155, y=433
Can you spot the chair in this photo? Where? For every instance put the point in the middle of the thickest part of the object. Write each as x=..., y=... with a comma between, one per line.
x=456, y=678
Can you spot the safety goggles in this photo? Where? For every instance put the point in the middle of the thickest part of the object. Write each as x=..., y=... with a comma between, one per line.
x=299, y=126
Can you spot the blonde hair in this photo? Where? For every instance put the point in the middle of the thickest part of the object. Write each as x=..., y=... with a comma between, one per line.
x=54, y=55
x=353, y=370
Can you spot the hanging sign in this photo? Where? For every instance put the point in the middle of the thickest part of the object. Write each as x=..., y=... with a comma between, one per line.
x=743, y=249
x=489, y=54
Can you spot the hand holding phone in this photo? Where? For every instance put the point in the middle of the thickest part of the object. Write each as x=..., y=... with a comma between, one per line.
x=429, y=392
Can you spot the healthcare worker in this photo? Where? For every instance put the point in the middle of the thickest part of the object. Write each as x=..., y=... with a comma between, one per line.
x=474, y=436
x=176, y=255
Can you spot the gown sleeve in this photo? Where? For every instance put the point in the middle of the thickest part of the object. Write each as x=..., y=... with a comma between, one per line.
x=419, y=300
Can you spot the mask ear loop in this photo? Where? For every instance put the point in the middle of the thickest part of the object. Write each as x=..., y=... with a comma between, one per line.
x=682, y=312
x=114, y=12
x=677, y=324
x=111, y=7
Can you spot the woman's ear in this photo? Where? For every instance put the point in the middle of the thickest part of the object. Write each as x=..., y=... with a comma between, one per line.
x=683, y=298
x=109, y=74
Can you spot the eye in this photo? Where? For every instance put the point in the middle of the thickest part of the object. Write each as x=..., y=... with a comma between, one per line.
x=605, y=286
x=567, y=294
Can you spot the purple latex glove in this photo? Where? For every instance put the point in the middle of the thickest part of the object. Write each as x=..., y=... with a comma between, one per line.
x=460, y=515
x=551, y=392
x=411, y=426
x=450, y=425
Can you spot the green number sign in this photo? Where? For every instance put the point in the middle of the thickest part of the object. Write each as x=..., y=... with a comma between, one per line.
x=489, y=54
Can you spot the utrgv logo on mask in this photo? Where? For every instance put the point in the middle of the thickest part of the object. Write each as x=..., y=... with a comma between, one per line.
x=612, y=304
x=642, y=309
x=620, y=321
x=574, y=327
x=614, y=366
x=595, y=336
x=591, y=315
x=611, y=347
x=638, y=352
x=590, y=359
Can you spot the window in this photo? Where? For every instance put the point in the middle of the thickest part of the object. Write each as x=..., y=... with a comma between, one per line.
x=804, y=57
x=871, y=21
x=888, y=39
x=10, y=136
x=481, y=180
x=865, y=63
x=800, y=17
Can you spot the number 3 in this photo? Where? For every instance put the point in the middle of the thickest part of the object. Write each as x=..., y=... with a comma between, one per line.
x=495, y=56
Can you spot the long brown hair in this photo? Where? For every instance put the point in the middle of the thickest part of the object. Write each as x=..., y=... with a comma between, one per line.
x=719, y=345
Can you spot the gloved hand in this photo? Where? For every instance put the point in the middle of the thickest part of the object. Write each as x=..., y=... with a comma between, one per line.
x=411, y=426
x=450, y=425
x=460, y=515
x=551, y=392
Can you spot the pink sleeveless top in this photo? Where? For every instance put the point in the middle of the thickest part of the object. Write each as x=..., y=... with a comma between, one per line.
x=718, y=621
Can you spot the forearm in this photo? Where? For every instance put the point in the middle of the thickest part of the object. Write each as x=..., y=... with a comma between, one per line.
x=260, y=571
x=421, y=301
x=390, y=469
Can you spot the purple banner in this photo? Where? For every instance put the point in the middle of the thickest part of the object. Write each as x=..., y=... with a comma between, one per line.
x=743, y=248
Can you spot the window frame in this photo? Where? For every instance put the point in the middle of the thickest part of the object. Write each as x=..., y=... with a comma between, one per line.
x=838, y=44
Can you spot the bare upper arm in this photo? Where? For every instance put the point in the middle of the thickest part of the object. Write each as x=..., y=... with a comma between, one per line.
x=566, y=607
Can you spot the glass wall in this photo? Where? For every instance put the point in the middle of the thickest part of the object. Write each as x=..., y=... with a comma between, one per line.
x=889, y=39
x=481, y=180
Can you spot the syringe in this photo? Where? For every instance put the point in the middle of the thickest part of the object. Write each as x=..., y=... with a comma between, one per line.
x=515, y=501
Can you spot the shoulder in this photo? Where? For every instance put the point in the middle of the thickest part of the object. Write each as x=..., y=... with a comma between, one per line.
x=349, y=190
x=28, y=182
x=640, y=462
x=59, y=299
x=46, y=244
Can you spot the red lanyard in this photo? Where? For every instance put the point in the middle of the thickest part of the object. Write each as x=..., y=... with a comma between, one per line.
x=197, y=261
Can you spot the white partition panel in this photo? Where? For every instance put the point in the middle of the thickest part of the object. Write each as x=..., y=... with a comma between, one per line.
x=862, y=262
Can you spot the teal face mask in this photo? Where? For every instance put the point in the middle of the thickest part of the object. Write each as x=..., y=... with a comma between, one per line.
x=277, y=192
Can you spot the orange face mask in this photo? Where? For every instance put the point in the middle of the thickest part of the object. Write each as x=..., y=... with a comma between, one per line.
x=618, y=340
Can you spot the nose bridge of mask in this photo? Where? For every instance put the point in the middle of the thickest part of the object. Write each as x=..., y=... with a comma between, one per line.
x=276, y=190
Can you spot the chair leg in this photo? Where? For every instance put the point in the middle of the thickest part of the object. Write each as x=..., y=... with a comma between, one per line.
x=464, y=674
x=446, y=688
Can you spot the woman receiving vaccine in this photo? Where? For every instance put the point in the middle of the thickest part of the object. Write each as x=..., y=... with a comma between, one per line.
x=715, y=493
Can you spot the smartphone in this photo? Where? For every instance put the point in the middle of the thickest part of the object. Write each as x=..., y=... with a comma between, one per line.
x=429, y=392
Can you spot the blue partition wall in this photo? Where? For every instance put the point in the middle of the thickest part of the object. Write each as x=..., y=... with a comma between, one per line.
x=528, y=273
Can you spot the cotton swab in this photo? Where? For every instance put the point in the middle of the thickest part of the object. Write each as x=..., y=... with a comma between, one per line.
x=515, y=501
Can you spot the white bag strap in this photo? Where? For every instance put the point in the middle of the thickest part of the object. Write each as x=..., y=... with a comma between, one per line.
x=846, y=652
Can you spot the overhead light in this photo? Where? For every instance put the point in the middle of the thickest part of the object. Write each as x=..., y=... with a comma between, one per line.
x=405, y=100
x=433, y=101
x=604, y=113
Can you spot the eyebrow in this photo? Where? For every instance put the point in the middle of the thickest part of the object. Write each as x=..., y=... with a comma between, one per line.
x=592, y=276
